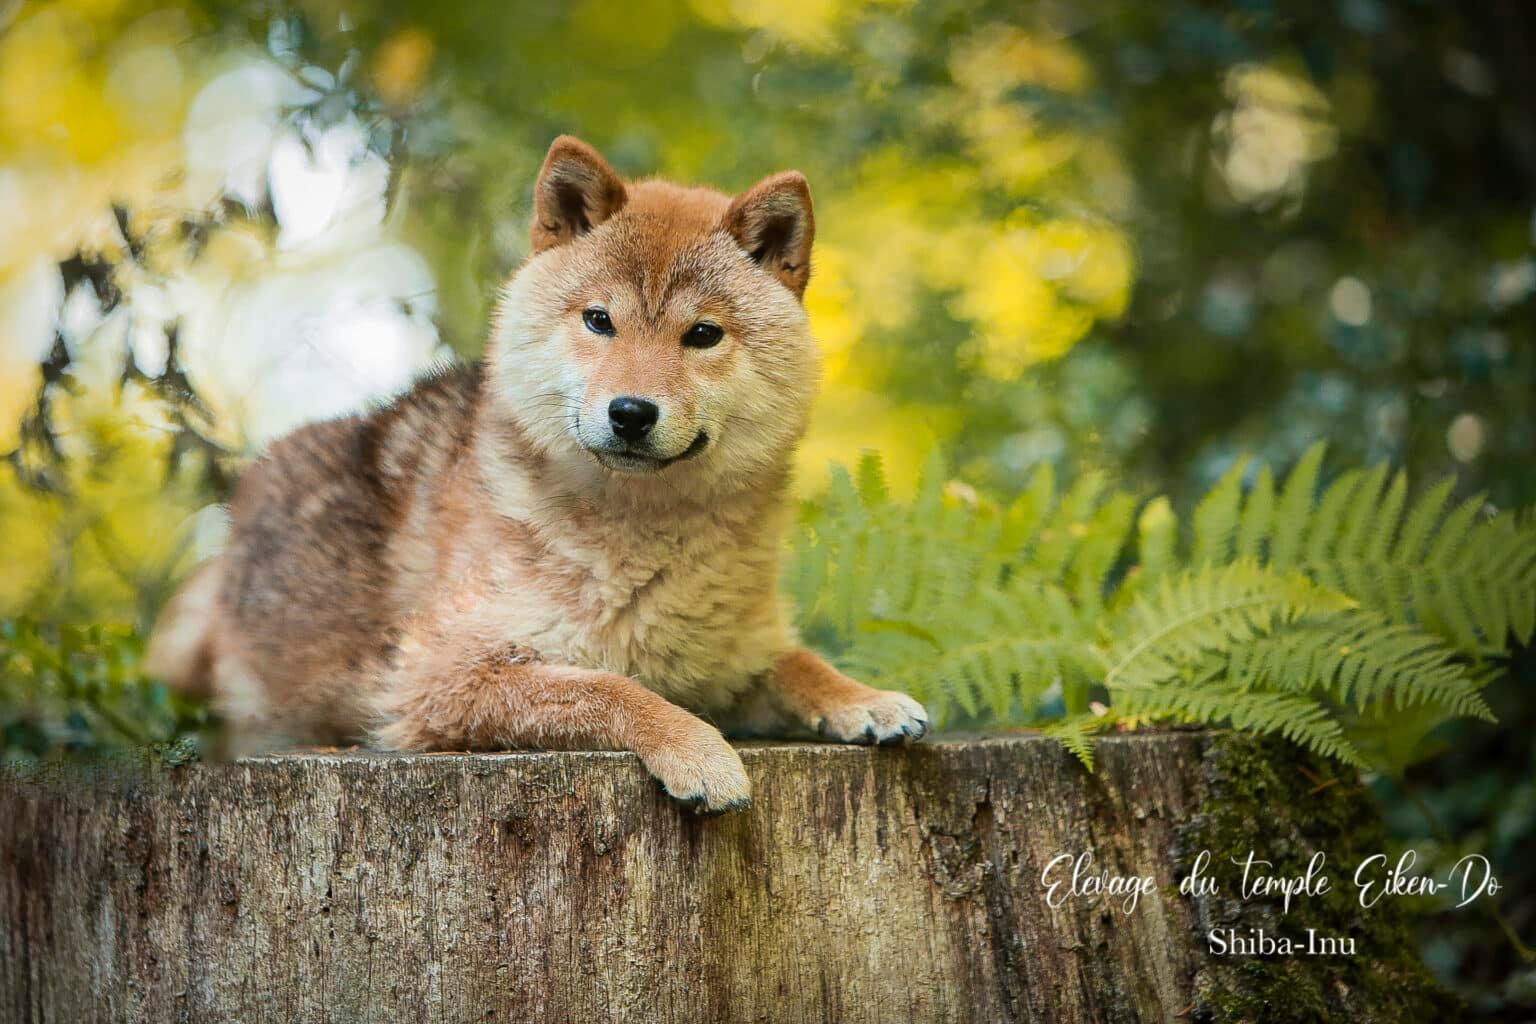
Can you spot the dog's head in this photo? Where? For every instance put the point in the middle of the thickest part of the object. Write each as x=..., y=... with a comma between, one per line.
x=657, y=330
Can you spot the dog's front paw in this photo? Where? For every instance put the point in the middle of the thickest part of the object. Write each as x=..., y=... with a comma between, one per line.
x=880, y=716
x=702, y=771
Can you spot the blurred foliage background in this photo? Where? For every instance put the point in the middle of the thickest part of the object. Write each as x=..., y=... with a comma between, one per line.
x=1131, y=238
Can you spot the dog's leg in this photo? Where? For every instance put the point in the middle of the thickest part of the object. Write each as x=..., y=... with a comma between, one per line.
x=505, y=697
x=819, y=697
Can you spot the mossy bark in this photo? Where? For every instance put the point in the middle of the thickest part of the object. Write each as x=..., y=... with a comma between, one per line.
x=1286, y=806
x=864, y=885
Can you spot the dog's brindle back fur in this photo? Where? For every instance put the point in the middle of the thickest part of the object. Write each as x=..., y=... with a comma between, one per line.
x=467, y=568
x=311, y=571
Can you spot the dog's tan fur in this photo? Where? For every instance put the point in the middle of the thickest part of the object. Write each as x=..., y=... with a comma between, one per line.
x=474, y=566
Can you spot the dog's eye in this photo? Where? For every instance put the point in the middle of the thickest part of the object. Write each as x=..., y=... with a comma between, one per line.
x=597, y=320
x=703, y=335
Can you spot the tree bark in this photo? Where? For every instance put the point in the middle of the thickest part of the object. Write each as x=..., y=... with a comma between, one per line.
x=864, y=884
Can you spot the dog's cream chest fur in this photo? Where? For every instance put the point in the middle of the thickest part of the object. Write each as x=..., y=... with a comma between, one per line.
x=687, y=611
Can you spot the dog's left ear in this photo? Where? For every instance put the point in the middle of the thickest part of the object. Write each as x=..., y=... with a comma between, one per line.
x=772, y=221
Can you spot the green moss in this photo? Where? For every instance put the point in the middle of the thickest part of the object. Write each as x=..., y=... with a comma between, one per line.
x=1284, y=804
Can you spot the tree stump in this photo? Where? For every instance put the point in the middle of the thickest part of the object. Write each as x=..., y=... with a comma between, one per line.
x=887, y=884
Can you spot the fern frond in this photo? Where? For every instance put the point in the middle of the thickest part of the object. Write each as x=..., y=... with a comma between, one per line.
x=1295, y=508
x=930, y=485
x=1258, y=516
x=1464, y=578
x=807, y=574
x=1325, y=525
x=1151, y=640
x=1454, y=529
x=1519, y=533
x=1067, y=526
x=872, y=487
x=1157, y=533
x=1077, y=733
x=870, y=557
x=1363, y=515
x=1029, y=511
x=1010, y=648
x=1312, y=616
x=1421, y=521
x=1359, y=658
x=1216, y=518
x=1099, y=550
x=1298, y=719
x=1380, y=540
x=1471, y=585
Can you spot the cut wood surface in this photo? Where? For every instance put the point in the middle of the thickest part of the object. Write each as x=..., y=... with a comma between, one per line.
x=888, y=884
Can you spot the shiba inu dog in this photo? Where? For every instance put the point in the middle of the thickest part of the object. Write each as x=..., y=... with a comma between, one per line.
x=573, y=544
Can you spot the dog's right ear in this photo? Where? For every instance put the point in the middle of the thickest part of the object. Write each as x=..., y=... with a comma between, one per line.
x=576, y=192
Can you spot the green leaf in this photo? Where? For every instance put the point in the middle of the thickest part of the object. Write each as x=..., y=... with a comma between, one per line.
x=1029, y=511
x=871, y=480
x=1296, y=614
x=1422, y=520
x=1258, y=516
x=1157, y=530
x=1216, y=518
x=1295, y=509
x=1076, y=733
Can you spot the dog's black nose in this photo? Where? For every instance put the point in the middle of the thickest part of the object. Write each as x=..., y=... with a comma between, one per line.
x=632, y=418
